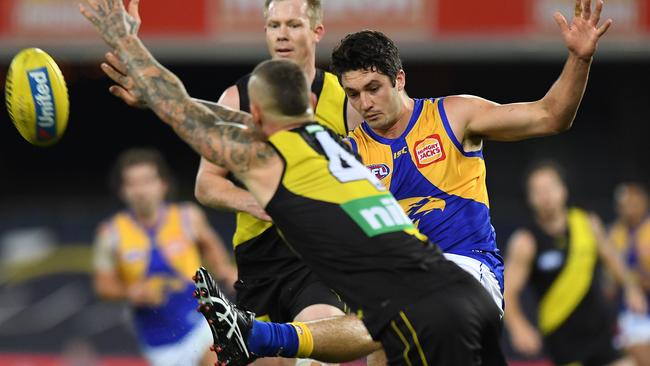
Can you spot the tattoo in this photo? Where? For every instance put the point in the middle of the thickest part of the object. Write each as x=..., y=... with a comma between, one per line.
x=241, y=118
x=115, y=24
x=222, y=135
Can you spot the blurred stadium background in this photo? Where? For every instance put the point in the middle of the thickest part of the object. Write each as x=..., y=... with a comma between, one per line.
x=51, y=199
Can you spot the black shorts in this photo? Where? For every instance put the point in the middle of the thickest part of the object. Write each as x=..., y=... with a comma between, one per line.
x=599, y=352
x=274, y=283
x=458, y=325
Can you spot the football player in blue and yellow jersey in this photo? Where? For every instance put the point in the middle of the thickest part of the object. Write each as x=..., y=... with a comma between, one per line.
x=147, y=255
x=630, y=233
x=428, y=152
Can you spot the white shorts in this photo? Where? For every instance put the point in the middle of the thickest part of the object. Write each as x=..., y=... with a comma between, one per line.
x=482, y=273
x=634, y=329
x=188, y=351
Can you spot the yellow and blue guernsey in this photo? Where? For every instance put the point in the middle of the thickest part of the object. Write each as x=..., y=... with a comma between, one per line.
x=634, y=244
x=439, y=185
x=166, y=257
x=350, y=231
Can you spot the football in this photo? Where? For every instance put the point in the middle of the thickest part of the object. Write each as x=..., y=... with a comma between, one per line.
x=37, y=97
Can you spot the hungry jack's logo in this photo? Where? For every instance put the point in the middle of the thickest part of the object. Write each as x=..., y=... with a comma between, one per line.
x=428, y=151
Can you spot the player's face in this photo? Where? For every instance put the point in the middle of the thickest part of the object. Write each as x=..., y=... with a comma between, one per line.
x=143, y=189
x=632, y=205
x=546, y=191
x=289, y=33
x=375, y=98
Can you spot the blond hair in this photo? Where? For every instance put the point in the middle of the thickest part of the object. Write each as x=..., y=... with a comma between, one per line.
x=314, y=11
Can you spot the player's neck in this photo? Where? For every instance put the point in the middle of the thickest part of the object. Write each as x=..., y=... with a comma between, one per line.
x=633, y=222
x=309, y=67
x=553, y=222
x=147, y=218
x=277, y=124
x=397, y=129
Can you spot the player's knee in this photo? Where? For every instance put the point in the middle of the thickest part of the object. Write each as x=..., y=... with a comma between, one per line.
x=318, y=311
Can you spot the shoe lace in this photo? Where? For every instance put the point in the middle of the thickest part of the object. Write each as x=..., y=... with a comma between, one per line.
x=229, y=317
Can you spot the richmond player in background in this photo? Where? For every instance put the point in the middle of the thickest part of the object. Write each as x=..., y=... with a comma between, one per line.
x=630, y=233
x=147, y=255
x=559, y=254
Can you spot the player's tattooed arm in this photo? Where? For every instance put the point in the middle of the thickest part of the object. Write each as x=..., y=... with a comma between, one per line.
x=216, y=133
x=210, y=131
x=125, y=89
x=237, y=117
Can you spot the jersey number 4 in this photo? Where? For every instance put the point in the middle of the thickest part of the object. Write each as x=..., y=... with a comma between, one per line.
x=343, y=165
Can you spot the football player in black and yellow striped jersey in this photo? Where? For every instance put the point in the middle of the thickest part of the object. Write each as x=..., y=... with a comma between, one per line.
x=335, y=214
x=273, y=281
x=559, y=255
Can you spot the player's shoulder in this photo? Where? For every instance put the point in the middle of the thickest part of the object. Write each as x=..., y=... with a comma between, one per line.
x=330, y=82
x=230, y=97
x=191, y=210
x=522, y=242
x=242, y=82
x=358, y=133
x=104, y=226
x=108, y=228
x=109, y=221
x=463, y=103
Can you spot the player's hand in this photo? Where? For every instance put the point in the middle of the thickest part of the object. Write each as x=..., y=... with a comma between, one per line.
x=582, y=35
x=252, y=207
x=111, y=19
x=125, y=87
x=635, y=299
x=526, y=340
x=143, y=294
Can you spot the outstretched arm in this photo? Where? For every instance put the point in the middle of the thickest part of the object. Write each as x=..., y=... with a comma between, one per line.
x=126, y=90
x=475, y=117
x=210, y=132
x=213, y=189
x=521, y=252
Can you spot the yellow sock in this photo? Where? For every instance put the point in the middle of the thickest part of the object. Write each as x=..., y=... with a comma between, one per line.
x=305, y=340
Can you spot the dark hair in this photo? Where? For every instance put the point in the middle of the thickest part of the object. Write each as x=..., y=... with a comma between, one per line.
x=287, y=86
x=138, y=156
x=545, y=165
x=634, y=186
x=314, y=11
x=366, y=50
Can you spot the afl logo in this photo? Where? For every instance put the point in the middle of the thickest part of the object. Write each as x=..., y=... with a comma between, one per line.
x=428, y=151
x=380, y=171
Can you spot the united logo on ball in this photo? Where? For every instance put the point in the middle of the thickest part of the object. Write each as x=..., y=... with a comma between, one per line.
x=37, y=97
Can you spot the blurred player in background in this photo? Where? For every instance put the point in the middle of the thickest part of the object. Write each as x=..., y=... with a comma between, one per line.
x=273, y=281
x=429, y=151
x=147, y=255
x=631, y=236
x=559, y=255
